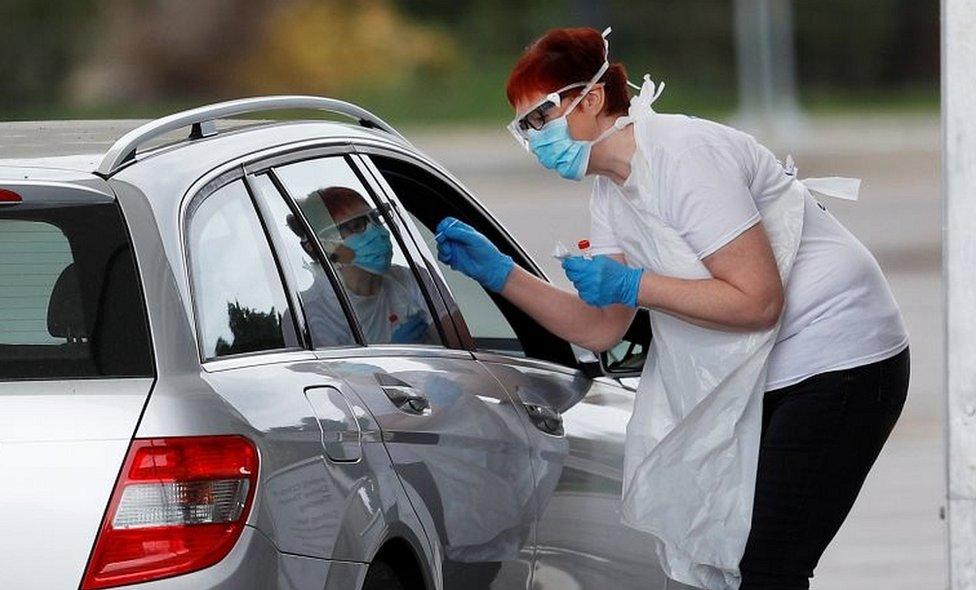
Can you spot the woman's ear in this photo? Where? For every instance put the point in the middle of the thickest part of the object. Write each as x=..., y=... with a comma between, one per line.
x=593, y=102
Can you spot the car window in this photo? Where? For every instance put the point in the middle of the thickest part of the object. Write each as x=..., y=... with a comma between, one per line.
x=327, y=322
x=70, y=301
x=382, y=288
x=486, y=322
x=240, y=302
x=494, y=323
x=34, y=256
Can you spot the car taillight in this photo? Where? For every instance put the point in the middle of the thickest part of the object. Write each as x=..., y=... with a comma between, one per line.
x=179, y=505
x=8, y=197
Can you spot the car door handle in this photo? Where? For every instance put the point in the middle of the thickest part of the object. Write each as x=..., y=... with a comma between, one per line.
x=407, y=399
x=545, y=419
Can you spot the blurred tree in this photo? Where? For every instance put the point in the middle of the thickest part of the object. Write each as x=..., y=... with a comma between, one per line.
x=867, y=45
x=164, y=50
x=426, y=58
x=252, y=330
x=40, y=39
x=688, y=36
x=332, y=46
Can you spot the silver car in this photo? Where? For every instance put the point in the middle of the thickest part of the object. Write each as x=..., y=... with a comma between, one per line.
x=229, y=358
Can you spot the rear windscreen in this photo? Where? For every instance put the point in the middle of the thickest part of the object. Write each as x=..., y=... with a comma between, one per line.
x=70, y=302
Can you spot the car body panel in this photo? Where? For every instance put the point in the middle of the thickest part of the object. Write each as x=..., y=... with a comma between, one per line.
x=581, y=540
x=255, y=563
x=62, y=441
x=467, y=449
x=305, y=503
x=61, y=446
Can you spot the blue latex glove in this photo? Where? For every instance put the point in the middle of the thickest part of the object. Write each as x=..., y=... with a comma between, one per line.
x=465, y=250
x=602, y=281
x=411, y=331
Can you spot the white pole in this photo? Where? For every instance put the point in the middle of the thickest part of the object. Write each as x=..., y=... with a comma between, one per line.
x=765, y=56
x=959, y=273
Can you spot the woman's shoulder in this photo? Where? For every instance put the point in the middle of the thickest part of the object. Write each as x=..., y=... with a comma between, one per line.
x=675, y=134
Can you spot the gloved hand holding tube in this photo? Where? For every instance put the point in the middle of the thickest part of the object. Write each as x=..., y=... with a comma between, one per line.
x=602, y=281
x=466, y=250
x=411, y=331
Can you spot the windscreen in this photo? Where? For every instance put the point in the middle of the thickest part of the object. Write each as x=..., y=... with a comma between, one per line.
x=70, y=301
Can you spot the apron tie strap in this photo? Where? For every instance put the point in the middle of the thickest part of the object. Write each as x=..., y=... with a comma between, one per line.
x=838, y=187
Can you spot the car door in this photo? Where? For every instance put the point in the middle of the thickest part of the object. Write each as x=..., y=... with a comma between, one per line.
x=318, y=481
x=453, y=433
x=576, y=423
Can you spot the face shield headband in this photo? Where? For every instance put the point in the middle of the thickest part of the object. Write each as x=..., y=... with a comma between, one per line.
x=534, y=117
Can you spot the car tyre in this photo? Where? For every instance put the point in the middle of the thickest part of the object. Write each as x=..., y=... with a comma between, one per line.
x=382, y=577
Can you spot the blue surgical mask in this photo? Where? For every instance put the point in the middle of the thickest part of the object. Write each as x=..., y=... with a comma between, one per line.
x=373, y=248
x=557, y=150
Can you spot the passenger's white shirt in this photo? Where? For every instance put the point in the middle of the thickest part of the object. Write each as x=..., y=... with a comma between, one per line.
x=839, y=311
x=398, y=296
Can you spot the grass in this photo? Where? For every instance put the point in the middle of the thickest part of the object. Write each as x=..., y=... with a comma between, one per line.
x=475, y=97
x=908, y=100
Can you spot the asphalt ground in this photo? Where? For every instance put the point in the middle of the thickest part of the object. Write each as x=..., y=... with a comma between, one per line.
x=894, y=537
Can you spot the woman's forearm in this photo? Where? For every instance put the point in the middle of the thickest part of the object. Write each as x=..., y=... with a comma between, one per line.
x=565, y=314
x=710, y=303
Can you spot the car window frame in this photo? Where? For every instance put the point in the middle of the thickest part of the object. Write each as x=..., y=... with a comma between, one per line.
x=451, y=338
x=446, y=325
x=290, y=279
x=44, y=192
x=368, y=149
x=188, y=215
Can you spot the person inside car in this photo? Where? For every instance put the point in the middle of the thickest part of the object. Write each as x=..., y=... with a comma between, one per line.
x=388, y=302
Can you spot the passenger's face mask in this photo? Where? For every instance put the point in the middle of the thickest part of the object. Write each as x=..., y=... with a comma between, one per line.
x=373, y=248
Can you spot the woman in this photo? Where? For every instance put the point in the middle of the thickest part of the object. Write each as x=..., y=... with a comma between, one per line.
x=766, y=312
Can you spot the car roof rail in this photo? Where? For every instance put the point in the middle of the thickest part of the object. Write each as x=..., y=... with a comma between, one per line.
x=202, y=121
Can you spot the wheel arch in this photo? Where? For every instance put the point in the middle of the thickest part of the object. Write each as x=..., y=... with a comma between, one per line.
x=403, y=550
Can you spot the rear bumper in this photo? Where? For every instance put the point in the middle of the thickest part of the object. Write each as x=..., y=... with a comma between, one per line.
x=255, y=564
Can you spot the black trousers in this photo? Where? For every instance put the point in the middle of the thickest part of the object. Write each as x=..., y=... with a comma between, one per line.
x=820, y=438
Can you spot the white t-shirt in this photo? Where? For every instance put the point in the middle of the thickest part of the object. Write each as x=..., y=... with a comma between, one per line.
x=397, y=299
x=839, y=311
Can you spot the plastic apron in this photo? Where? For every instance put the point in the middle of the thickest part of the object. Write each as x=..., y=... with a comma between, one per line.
x=692, y=442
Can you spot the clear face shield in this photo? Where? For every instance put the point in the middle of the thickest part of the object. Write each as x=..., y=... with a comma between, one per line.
x=535, y=116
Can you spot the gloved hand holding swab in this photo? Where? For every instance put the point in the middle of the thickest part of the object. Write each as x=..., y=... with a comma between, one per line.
x=465, y=250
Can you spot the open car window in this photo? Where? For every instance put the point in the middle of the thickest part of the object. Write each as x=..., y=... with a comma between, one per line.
x=325, y=318
x=373, y=269
x=495, y=324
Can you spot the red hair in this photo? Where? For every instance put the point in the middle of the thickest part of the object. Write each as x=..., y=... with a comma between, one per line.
x=565, y=56
x=341, y=202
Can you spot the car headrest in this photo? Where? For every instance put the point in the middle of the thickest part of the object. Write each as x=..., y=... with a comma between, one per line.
x=65, y=318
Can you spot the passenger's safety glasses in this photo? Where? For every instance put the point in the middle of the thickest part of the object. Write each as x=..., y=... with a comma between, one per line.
x=357, y=224
x=354, y=225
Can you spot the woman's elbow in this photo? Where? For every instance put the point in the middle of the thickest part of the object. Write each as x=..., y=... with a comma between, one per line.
x=598, y=345
x=768, y=312
x=600, y=341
